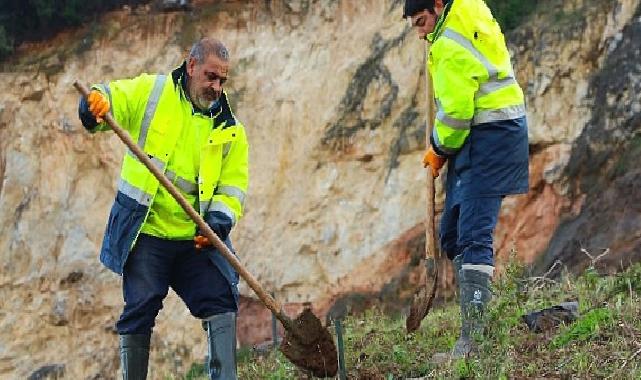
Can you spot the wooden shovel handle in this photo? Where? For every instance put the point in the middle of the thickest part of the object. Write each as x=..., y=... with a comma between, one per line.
x=268, y=300
x=430, y=229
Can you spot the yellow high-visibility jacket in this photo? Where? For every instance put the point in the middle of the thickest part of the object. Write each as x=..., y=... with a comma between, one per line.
x=154, y=109
x=480, y=122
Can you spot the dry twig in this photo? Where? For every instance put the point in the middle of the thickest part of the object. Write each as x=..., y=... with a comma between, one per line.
x=594, y=260
x=637, y=352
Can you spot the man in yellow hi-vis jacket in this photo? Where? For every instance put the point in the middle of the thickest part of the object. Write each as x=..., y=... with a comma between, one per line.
x=184, y=122
x=481, y=131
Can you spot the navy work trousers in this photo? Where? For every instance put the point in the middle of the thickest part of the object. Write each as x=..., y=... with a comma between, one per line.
x=467, y=229
x=155, y=264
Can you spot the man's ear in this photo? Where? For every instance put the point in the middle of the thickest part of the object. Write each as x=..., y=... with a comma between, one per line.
x=438, y=4
x=191, y=64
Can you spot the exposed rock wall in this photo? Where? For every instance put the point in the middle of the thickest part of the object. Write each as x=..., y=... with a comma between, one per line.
x=332, y=94
x=603, y=171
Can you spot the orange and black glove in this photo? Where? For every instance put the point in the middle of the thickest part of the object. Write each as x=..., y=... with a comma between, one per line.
x=98, y=105
x=434, y=161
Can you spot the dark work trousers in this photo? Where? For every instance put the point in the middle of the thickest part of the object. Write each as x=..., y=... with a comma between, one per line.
x=467, y=228
x=155, y=264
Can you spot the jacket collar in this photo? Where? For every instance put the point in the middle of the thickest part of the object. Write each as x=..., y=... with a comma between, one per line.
x=438, y=29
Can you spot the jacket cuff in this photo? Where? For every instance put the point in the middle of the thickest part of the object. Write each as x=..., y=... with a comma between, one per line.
x=86, y=117
x=220, y=223
x=437, y=149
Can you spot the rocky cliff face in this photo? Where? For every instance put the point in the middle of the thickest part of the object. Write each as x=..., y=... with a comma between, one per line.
x=584, y=122
x=602, y=171
x=332, y=94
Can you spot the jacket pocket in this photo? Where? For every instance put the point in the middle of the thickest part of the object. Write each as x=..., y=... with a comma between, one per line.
x=125, y=220
x=463, y=159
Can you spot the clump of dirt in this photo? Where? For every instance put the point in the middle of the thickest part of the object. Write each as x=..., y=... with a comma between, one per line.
x=549, y=319
x=310, y=346
x=369, y=374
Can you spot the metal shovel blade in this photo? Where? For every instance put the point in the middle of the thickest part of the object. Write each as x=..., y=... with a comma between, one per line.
x=310, y=346
x=421, y=305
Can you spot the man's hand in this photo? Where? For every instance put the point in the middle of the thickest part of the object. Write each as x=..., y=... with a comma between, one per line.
x=434, y=161
x=98, y=105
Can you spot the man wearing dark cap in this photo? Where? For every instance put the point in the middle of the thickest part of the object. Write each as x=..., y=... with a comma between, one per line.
x=481, y=132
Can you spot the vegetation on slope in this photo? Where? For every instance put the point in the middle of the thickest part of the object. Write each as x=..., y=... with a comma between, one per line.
x=511, y=13
x=605, y=341
x=34, y=20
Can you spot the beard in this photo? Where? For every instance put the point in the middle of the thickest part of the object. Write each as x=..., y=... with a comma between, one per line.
x=203, y=103
x=205, y=99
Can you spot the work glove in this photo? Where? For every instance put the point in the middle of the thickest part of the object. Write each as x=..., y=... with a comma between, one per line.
x=201, y=242
x=98, y=105
x=434, y=161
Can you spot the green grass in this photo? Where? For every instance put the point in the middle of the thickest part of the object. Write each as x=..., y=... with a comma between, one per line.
x=605, y=340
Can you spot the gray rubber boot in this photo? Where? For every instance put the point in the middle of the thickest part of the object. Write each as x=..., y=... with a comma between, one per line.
x=458, y=265
x=474, y=287
x=134, y=356
x=221, y=338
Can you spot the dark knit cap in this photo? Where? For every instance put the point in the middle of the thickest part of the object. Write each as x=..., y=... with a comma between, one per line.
x=413, y=7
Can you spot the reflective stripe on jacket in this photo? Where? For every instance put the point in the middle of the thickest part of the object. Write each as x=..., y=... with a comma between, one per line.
x=153, y=109
x=472, y=74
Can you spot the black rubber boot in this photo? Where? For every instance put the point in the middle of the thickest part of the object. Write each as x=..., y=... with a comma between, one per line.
x=221, y=339
x=474, y=287
x=134, y=356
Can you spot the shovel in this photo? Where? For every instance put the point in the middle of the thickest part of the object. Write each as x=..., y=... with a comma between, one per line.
x=423, y=298
x=307, y=343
